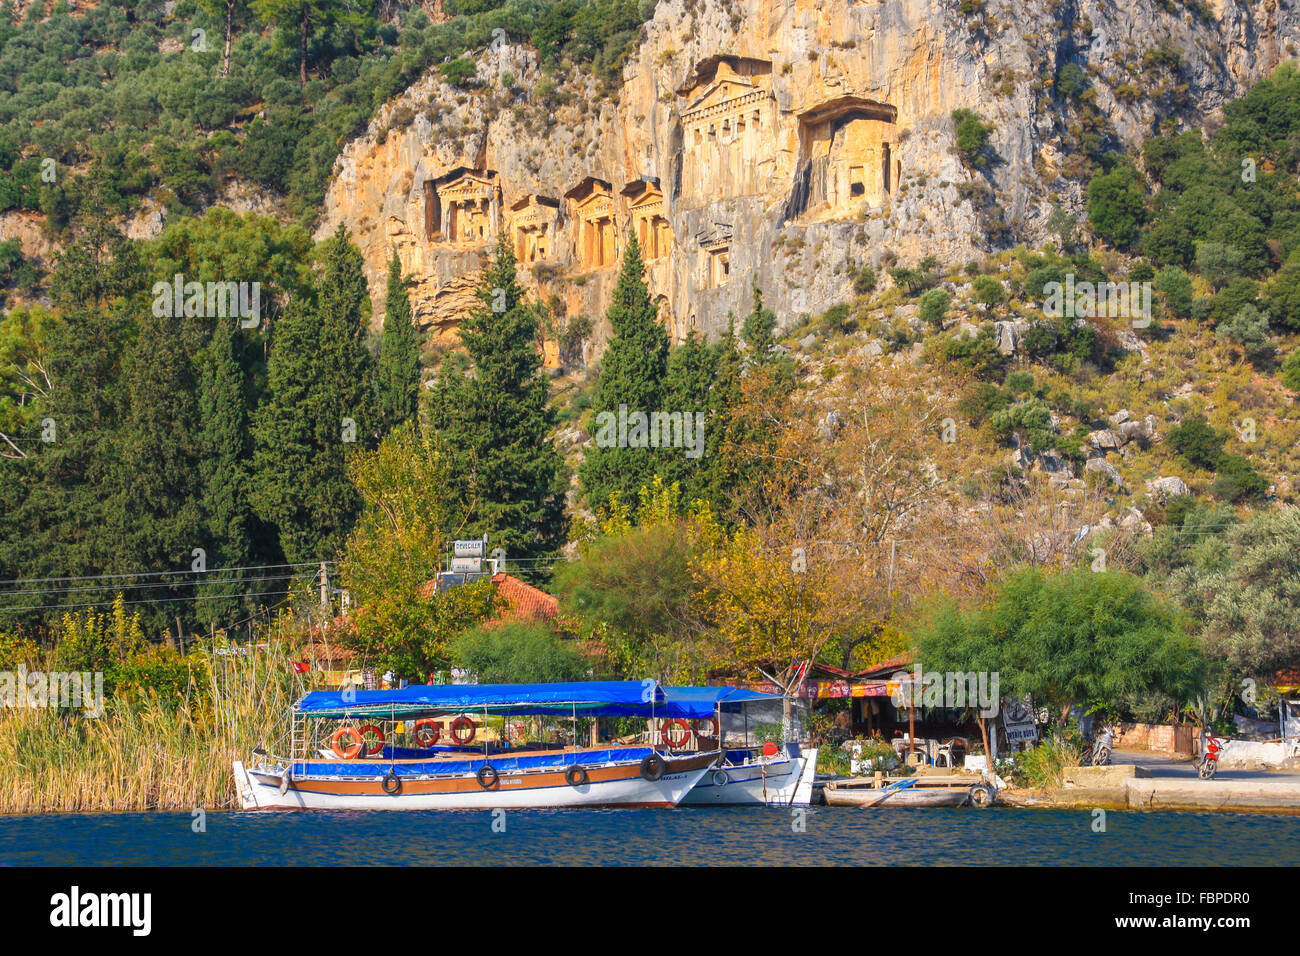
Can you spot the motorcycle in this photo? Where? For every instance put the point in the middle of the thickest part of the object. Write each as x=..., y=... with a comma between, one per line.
x=1102, y=744
x=1208, y=762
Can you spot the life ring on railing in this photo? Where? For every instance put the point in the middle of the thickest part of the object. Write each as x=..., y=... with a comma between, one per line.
x=487, y=776
x=378, y=732
x=351, y=751
x=710, y=728
x=458, y=724
x=665, y=737
x=427, y=732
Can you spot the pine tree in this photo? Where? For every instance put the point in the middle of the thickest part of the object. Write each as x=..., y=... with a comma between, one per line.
x=496, y=424
x=632, y=374
x=397, y=374
x=319, y=405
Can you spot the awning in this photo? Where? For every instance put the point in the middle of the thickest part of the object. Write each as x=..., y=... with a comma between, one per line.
x=588, y=698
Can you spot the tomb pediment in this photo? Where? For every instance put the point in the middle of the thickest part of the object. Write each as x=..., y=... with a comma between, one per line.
x=721, y=93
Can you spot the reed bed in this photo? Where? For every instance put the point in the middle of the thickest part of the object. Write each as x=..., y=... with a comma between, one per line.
x=148, y=753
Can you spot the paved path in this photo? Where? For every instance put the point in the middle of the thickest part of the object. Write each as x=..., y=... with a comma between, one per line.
x=1182, y=768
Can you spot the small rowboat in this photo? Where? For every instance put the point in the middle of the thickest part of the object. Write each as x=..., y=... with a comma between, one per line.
x=904, y=794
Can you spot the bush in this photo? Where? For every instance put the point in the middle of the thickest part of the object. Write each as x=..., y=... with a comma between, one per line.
x=1116, y=204
x=864, y=283
x=1044, y=765
x=1176, y=287
x=1291, y=371
x=972, y=137
x=977, y=354
x=1248, y=330
x=1198, y=443
x=934, y=307
x=1237, y=480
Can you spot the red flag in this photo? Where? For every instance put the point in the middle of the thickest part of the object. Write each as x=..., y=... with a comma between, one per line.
x=300, y=667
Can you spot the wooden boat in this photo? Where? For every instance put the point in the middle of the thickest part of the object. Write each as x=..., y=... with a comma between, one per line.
x=910, y=792
x=871, y=797
x=386, y=777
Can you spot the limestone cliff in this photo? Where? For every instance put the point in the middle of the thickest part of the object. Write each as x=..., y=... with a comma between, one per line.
x=780, y=143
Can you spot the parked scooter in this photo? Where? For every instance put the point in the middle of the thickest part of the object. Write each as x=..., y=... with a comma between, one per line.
x=1102, y=744
x=1208, y=762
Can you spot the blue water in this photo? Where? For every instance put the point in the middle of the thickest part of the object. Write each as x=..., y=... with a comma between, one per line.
x=721, y=835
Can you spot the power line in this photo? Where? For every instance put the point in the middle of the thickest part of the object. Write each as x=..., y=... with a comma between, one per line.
x=153, y=574
x=202, y=582
x=197, y=597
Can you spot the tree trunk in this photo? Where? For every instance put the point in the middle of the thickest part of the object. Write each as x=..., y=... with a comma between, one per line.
x=984, y=735
x=302, y=49
x=225, y=56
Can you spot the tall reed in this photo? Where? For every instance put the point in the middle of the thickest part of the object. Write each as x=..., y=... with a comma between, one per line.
x=147, y=752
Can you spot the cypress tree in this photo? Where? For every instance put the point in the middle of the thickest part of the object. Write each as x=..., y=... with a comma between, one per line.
x=632, y=374
x=397, y=375
x=687, y=388
x=66, y=510
x=496, y=424
x=156, y=489
x=319, y=405
x=229, y=522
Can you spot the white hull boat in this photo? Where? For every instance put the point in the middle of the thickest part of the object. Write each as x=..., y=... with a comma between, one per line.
x=747, y=778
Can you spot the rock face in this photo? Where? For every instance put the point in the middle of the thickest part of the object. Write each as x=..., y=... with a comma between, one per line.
x=784, y=145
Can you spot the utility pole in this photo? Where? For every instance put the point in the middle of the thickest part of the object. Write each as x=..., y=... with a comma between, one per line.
x=324, y=588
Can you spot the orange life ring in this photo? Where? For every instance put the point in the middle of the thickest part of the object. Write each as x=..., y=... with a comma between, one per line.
x=458, y=724
x=427, y=732
x=352, y=750
x=710, y=727
x=666, y=740
x=378, y=732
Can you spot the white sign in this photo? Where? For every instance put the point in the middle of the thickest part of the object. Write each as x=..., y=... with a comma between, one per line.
x=466, y=565
x=1018, y=719
x=468, y=549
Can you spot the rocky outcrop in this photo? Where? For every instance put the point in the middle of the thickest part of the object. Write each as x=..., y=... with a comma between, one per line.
x=783, y=145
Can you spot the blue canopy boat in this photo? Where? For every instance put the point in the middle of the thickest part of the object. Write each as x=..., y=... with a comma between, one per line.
x=364, y=766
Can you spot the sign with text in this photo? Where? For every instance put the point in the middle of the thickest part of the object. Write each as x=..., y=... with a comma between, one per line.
x=469, y=549
x=1018, y=719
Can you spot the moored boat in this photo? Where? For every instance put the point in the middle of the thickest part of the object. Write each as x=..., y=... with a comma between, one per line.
x=850, y=793
x=354, y=773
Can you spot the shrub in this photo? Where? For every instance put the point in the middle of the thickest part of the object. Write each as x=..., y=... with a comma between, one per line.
x=1197, y=442
x=972, y=137
x=934, y=305
x=864, y=283
x=1248, y=330
x=1116, y=204
x=1291, y=371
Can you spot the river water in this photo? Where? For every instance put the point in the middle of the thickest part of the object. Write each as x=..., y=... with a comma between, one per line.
x=719, y=835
